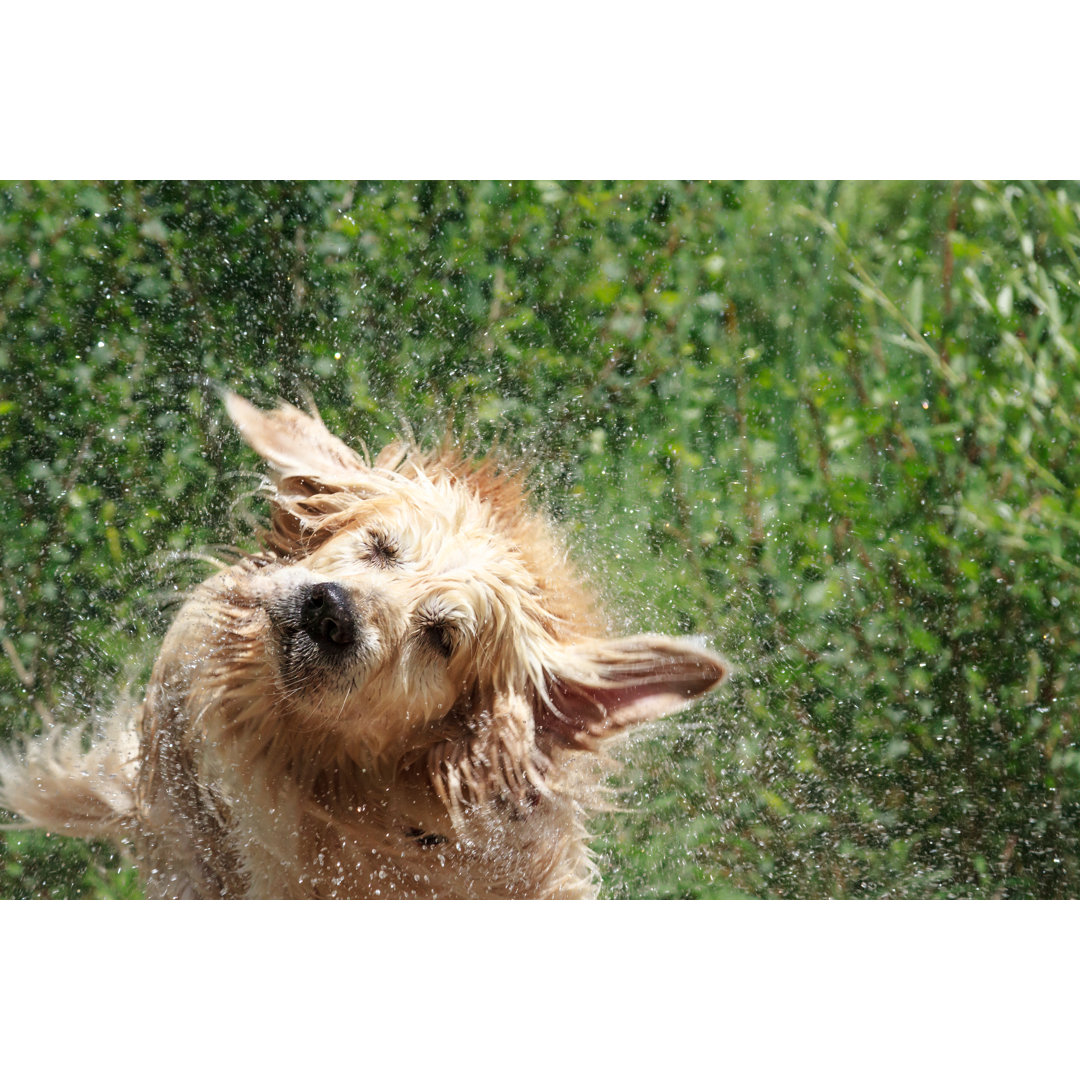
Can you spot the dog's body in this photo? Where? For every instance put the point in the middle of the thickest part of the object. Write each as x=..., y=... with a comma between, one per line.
x=406, y=694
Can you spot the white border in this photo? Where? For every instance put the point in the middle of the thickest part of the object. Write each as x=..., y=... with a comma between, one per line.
x=786, y=89
x=655, y=988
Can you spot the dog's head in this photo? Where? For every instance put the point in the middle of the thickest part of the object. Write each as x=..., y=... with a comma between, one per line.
x=409, y=595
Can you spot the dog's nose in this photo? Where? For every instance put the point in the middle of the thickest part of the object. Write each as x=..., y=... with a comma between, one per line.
x=326, y=614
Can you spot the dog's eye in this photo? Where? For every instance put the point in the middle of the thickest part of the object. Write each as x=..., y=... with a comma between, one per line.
x=382, y=549
x=426, y=840
x=438, y=637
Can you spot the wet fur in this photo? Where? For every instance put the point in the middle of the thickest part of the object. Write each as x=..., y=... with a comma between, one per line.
x=405, y=693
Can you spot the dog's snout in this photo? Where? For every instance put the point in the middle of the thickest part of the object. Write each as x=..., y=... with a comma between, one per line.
x=327, y=615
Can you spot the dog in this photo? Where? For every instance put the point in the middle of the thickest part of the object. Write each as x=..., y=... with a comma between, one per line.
x=405, y=693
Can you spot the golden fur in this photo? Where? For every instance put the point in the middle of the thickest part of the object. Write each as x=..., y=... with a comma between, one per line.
x=406, y=693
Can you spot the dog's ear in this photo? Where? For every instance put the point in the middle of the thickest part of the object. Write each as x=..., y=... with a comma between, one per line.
x=597, y=689
x=296, y=445
x=316, y=479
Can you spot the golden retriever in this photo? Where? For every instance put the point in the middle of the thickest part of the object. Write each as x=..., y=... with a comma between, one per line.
x=405, y=693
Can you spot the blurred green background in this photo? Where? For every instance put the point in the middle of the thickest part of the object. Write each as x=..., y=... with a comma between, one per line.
x=830, y=426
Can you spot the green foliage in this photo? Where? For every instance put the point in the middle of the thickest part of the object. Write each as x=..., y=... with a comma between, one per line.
x=832, y=427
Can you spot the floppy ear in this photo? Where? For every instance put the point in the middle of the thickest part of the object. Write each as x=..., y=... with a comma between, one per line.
x=597, y=689
x=317, y=480
x=297, y=445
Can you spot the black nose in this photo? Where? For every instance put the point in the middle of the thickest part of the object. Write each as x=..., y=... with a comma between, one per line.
x=326, y=614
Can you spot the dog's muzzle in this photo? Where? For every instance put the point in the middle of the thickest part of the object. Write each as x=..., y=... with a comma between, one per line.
x=318, y=623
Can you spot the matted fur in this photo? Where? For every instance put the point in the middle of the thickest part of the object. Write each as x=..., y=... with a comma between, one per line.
x=406, y=693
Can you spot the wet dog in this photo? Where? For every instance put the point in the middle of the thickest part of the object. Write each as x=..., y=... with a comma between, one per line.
x=405, y=693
